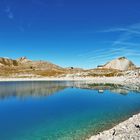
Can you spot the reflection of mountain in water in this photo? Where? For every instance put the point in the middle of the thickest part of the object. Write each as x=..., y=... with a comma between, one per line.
x=23, y=89
x=121, y=89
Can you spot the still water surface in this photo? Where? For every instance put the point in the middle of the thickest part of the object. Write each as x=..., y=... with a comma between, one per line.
x=62, y=110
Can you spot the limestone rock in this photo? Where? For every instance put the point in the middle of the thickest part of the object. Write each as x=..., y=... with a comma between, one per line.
x=121, y=63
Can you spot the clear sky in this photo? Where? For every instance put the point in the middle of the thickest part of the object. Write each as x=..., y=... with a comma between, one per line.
x=79, y=33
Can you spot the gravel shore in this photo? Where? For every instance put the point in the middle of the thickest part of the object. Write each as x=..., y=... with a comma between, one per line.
x=112, y=80
x=127, y=130
x=115, y=80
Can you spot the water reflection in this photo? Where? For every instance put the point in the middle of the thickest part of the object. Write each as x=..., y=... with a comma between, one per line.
x=23, y=89
x=113, y=88
x=35, y=89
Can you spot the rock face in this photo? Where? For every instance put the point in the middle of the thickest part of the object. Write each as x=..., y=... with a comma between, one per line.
x=12, y=62
x=121, y=63
x=23, y=60
x=8, y=62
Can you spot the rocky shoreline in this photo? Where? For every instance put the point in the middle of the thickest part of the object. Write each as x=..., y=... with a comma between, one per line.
x=127, y=130
x=114, y=80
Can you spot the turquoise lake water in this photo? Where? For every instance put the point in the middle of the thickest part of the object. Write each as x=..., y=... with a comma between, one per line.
x=62, y=110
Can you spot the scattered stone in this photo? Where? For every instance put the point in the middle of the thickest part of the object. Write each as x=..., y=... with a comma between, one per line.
x=114, y=132
x=137, y=126
x=127, y=130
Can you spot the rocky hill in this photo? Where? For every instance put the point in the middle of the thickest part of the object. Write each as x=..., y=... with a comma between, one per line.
x=23, y=62
x=121, y=63
x=25, y=68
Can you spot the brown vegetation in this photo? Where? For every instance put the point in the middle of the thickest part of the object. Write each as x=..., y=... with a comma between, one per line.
x=23, y=67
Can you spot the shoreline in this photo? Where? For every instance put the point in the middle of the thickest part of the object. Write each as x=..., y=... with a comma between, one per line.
x=91, y=80
x=97, y=80
x=128, y=129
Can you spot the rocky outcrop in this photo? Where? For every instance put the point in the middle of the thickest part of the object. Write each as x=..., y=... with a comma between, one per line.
x=121, y=63
x=11, y=62
x=22, y=60
x=8, y=62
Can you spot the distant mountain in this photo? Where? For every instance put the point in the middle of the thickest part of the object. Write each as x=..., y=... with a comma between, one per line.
x=25, y=68
x=23, y=62
x=121, y=63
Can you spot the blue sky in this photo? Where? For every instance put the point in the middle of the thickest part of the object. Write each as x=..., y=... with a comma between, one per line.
x=79, y=33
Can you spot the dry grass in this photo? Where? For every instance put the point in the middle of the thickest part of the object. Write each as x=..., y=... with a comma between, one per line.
x=20, y=71
x=104, y=72
x=48, y=73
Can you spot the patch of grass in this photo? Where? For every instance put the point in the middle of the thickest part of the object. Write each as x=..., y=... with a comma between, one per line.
x=49, y=73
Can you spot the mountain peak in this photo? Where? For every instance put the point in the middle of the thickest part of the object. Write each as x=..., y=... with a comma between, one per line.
x=23, y=59
x=121, y=63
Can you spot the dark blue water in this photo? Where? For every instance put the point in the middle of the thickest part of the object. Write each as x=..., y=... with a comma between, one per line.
x=60, y=110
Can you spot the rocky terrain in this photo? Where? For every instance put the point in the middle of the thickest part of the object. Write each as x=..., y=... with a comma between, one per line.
x=127, y=130
x=25, y=68
x=121, y=63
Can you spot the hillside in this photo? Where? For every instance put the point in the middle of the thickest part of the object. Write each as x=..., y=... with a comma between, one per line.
x=121, y=63
x=25, y=68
